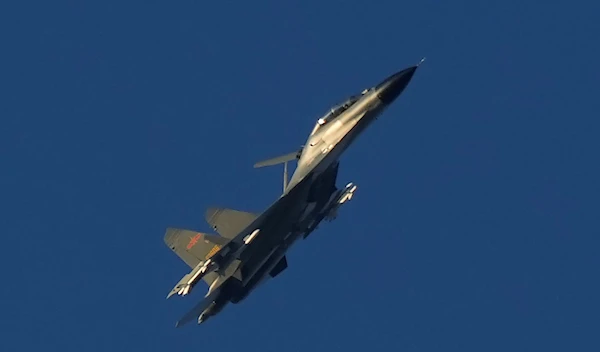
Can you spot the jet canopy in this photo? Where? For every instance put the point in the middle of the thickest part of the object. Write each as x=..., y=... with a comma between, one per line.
x=335, y=111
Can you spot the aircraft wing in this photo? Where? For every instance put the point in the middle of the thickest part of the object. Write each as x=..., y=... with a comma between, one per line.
x=228, y=222
x=193, y=247
x=281, y=211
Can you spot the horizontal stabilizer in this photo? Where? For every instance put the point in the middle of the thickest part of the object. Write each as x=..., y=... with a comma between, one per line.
x=228, y=222
x=279, y=267
x=279, y=160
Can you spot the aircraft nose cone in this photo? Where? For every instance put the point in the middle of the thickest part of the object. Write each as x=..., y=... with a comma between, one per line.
x=393, y=86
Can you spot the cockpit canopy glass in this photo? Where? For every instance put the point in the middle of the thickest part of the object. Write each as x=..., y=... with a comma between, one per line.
x=335, y=111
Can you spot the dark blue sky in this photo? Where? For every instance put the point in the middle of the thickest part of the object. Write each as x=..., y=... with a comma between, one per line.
x=474, y=228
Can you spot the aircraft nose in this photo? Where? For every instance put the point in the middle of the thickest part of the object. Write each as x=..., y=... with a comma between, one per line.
x=392, y=87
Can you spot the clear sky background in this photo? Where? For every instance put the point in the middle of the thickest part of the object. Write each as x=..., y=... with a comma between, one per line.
x=474, y=227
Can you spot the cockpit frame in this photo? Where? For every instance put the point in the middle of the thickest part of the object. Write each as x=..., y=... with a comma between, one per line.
x=335, y=111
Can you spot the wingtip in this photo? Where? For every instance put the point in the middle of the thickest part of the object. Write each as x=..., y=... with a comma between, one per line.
x=422, y=60
x=210, y=213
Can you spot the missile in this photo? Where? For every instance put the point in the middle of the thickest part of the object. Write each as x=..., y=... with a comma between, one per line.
x=219, y=260
x=178, y=287
x=348, y=193
x=330, y=208
x=185, y=285
x=340, y=198
x=251, y=236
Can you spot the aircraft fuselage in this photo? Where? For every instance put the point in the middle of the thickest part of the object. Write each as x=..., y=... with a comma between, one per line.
x=310, y=194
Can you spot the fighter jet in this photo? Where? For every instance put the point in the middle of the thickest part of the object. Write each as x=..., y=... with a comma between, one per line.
x=250, y=248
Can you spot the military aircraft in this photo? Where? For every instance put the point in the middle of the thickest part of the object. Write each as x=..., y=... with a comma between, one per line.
x=250, y=248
